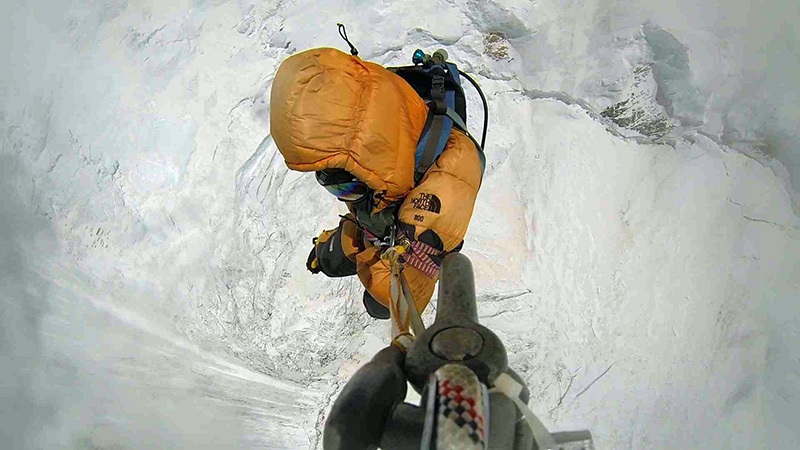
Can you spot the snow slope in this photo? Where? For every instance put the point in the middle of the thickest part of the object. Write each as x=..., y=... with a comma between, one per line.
x=634, y=245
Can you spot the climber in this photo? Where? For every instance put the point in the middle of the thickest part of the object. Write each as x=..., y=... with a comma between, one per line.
x=407, y=170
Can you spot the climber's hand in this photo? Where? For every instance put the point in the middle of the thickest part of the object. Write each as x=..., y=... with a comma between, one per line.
x=312, y=264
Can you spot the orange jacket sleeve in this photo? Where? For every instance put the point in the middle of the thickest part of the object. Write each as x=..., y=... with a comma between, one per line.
x=444, y=199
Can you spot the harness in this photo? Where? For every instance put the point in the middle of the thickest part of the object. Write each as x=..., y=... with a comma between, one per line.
x=416, y=254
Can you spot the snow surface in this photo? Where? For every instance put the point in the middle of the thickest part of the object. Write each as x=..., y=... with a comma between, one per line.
x=635, y=244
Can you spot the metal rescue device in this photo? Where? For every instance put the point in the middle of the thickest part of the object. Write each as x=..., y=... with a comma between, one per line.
x=471, y=399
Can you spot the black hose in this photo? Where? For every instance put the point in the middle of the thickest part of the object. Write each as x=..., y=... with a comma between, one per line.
x=485, y=107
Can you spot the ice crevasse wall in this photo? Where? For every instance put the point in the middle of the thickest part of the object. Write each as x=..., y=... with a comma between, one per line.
x=635, y=240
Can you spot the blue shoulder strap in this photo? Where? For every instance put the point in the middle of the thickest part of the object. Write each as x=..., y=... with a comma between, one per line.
x=439, y=124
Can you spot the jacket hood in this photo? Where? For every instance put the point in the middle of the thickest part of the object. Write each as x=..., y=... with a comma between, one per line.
x=332, y=110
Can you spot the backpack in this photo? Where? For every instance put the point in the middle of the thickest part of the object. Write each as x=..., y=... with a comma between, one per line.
x=438, y=83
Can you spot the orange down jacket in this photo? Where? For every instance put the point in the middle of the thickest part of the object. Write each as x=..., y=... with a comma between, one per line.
x=333, y=110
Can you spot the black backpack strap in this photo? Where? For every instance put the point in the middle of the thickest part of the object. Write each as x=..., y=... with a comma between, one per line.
x=438, y=93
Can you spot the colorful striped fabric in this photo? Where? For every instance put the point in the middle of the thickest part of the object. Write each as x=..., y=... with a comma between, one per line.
x=419, y=257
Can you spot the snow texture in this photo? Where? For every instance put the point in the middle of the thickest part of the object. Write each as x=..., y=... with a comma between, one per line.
x=636, y=239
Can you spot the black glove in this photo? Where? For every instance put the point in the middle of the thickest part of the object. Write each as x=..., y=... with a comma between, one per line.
x=312, y=264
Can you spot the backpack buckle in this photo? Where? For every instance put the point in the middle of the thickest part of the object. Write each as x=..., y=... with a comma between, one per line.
x=438, y=107
x=437, y=87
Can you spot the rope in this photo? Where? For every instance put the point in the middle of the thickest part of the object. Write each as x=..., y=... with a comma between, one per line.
x=403, y=311
x=509, y=387
x=460, y=421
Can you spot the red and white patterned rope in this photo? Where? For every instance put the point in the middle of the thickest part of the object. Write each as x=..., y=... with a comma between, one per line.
x=460, y=422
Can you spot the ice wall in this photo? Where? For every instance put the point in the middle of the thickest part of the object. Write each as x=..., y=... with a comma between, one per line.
x=640, y=268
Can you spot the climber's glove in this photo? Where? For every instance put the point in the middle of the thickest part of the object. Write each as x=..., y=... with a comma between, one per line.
x=312, y=264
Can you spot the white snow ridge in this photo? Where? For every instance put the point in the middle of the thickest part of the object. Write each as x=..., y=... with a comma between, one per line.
x=636, y=240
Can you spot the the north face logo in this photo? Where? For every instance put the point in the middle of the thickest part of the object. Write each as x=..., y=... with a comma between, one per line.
x=427, y=202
